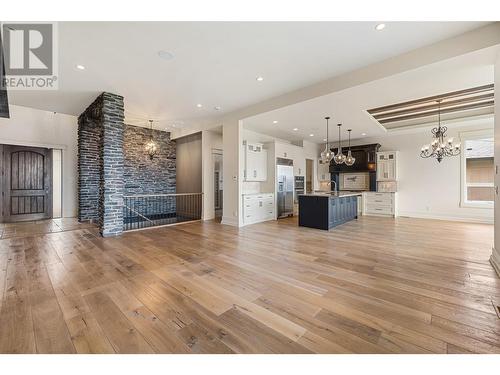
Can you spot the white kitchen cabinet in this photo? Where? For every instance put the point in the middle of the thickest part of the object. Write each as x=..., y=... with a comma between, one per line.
x=258, y=208
x=323, y=171
x=296, y=153
x=255, y=162
x=284, y=150
x=299, y=162
x=387, y=167
x=380, y=204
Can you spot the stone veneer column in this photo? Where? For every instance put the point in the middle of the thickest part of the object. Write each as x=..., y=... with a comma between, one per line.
x=100, y=164
x=89, y=139
x=111, y=150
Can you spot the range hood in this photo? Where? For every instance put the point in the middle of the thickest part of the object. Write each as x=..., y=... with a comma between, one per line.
x=365, y=159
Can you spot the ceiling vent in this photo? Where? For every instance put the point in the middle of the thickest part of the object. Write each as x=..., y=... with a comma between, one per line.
x=472, y=102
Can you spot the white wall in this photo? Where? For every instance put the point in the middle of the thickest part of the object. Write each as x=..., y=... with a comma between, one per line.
x=57, y=183
x=33, y=127
x=427, y=188
x=210, y=141
x=233, y=166
x=495, y=257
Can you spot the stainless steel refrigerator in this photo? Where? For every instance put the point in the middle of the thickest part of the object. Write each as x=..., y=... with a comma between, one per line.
x=285, y=183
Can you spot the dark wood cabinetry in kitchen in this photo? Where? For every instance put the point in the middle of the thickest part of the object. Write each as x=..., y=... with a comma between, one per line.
x=366, y=161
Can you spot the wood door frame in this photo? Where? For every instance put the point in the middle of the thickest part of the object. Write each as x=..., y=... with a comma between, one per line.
x=5, y=170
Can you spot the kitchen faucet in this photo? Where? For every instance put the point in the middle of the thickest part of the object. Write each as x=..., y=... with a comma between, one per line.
x=335, y=182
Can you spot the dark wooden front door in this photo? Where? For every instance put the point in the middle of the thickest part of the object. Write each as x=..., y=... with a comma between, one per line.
x=27, y=183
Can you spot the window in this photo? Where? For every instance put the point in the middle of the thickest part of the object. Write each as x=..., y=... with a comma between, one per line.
x=478, y=169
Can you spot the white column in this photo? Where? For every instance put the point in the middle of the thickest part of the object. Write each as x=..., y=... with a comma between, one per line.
x=207, y=180
x=232, y=167
x=495, y=256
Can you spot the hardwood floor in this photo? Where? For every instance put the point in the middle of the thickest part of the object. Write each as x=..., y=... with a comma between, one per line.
x=31, y=228
x=375, y=285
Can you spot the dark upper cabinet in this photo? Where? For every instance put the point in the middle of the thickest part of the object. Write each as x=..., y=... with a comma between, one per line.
x=365, y=156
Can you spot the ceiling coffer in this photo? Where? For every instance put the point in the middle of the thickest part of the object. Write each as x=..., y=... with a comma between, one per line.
x=466, y=103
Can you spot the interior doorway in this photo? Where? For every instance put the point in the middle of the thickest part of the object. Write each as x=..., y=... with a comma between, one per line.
x=309, y=175
x=26, y=183
x=218, y=192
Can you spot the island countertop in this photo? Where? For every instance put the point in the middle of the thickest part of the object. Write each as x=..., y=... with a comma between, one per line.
x=333, y=194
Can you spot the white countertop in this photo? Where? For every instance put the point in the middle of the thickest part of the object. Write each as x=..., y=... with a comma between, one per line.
x=335, y=194
x=257, y=193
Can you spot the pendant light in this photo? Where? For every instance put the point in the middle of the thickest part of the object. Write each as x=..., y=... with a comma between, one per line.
x=326, y=154
x=151, y=147
x=349, y=160
x=340, y=157
x=438, y=148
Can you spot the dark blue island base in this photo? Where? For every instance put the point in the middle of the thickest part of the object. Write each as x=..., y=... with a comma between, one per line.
x=325, y=211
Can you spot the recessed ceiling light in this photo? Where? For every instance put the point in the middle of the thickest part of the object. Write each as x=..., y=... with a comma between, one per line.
x=165, y=55
x=295, y=129
x=80, y=67
x=311, y=135
x=199, y=105
x=380, y=27
x=217, y=108
x=259, y=79
x=363, y=134
x=275, y=121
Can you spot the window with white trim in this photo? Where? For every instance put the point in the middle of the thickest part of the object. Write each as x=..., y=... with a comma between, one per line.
x=478, y=169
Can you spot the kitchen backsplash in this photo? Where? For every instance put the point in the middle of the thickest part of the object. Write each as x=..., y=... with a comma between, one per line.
x=355, y=181
x=249, y=187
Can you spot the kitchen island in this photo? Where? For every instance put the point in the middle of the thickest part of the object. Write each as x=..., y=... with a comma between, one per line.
x=326, y=210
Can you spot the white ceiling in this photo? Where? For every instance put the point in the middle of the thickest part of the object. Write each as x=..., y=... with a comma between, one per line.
x=349, y=106
x=215, y=63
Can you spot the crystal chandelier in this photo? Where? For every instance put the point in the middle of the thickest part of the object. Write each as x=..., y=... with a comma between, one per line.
x=151, y=147
x=439, y=148
x=340, y=157
x=349, y=160
x=326, y=154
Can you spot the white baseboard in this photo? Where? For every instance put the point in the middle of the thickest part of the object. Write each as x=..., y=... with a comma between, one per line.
x=495, y=260
x=466, y=219
x=230, y=221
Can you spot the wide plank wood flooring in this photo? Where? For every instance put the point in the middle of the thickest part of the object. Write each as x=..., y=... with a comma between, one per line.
x=374, y=285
